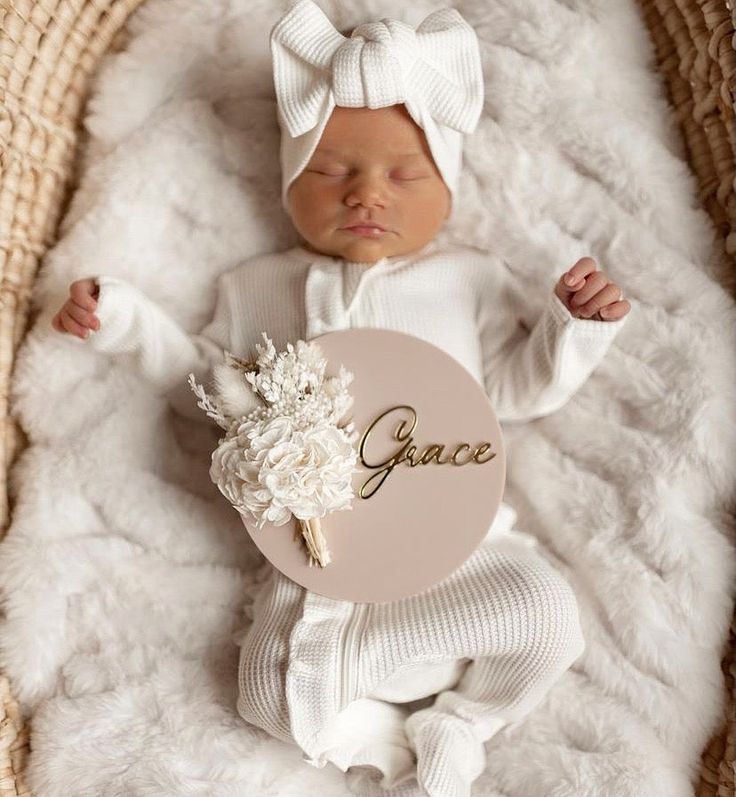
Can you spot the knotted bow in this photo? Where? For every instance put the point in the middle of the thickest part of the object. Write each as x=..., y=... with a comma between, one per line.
x=434, y=70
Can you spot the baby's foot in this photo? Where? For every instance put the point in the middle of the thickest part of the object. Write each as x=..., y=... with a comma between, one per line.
x=366, y=782
x=449, y=754
x=370, y=733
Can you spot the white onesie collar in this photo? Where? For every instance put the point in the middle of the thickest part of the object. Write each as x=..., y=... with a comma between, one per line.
x=331, y=280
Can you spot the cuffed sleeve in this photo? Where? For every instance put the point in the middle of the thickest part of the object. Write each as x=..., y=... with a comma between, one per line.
x=532, y=373
x=135, y=328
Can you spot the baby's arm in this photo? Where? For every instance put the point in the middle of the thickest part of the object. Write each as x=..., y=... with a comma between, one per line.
x=530, y=374
x=134, y=327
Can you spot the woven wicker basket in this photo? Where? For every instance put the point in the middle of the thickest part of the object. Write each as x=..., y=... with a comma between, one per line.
x=48, y=52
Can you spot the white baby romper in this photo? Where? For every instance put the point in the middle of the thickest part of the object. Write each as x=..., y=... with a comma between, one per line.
x=337, y=677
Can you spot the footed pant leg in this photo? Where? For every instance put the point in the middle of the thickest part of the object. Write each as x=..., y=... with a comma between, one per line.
x=537, y=641
x=506, y=609
x=367, y=732
x=263, y=657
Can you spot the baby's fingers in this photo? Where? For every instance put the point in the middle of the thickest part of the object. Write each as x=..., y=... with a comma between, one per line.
x=79, y=314
x=594, y=294
x=70, y=324
x=83, y=292
x=581, y=269
x=56, y=323
x=614, y=311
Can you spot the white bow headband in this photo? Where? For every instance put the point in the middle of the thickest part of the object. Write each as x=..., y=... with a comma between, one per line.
x=434, y=70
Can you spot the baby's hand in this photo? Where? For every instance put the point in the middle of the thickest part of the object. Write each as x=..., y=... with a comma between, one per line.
x=76, y=314
x=588, y=293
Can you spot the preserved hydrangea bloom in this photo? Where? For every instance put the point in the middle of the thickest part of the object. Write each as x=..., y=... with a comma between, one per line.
x=270, y=470
x=289, y=454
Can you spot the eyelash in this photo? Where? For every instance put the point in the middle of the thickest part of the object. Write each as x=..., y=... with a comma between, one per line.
x=401, y=179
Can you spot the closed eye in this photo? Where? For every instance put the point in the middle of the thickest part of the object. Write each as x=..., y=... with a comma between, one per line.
x=399, y=177
x=327, y=174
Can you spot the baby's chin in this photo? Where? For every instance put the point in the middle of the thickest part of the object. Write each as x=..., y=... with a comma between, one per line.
x=361, y=249
x=364, y=254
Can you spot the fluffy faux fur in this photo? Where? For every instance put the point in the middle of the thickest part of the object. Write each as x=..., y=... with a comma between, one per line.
x=126, y=576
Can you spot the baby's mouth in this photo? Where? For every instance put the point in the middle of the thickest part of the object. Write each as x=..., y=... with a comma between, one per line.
x=366, y=230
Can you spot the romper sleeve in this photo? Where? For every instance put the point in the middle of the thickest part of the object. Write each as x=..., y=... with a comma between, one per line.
x=135, y=329
x=537, y=368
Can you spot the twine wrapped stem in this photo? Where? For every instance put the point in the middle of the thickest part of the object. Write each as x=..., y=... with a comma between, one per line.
x=311, y=532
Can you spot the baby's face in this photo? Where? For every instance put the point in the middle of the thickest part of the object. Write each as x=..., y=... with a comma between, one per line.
x=371, y=165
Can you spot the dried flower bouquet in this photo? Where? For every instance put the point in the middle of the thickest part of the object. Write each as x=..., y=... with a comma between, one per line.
x=285, y=452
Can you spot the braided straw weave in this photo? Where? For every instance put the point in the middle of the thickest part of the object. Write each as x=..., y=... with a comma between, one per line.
x=50, y=49
x=48, y=52
x=694, y=45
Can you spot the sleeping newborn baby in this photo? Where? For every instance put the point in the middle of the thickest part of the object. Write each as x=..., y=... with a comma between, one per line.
x=372, y=128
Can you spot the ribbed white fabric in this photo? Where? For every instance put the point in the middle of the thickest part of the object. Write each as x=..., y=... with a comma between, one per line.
x=494, y=636
x=434, y=70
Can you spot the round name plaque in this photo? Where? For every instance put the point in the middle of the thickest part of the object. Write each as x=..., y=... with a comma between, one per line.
x=416, y=514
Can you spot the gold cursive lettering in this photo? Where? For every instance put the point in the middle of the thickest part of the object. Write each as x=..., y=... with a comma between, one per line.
x=408, y=451
x=453, y=458
x=481, y=450
x=433, y=452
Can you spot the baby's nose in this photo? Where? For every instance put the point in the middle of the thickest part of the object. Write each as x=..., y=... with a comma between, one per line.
x=367, y=192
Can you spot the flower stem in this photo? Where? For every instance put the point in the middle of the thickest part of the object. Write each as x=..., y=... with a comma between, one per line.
x=316, y=543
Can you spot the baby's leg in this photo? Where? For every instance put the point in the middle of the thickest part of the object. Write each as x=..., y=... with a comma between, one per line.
x=506, y=609
x=366, y=733
x=538, y=637
x=264, y=658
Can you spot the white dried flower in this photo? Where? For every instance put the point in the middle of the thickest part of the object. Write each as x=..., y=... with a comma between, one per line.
x=286, y=451
x=270, y=470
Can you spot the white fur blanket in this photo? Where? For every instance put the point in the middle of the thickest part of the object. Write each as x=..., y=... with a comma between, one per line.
x=126, y=576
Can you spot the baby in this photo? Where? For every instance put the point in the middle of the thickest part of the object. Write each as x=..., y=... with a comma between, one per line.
x=372, y=129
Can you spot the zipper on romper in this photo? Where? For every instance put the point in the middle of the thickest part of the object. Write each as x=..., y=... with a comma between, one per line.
x=350, y=657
